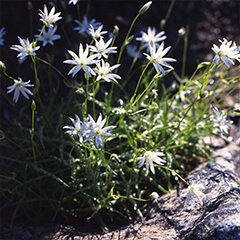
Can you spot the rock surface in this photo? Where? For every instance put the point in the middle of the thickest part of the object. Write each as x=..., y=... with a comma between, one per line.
x=218, y=218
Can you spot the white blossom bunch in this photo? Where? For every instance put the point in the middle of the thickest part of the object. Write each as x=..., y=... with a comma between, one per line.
x=227, y=52
x=89, y=129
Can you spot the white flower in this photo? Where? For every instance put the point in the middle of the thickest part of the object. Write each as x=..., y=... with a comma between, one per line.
x=26, y=48
x=82, y=61
x=193, y=193
x=151, y=38
x=102, y=48
x=49, y=18
x=220, y=121
x=97, y=130
x=2, y=32
x=96, y=33
x=74, y=2
x=83, y=27
x=104, y=72
x=78, y=130
x=226, y=52
x=48, y=36
x=20, y=87
x=151, y=157
x=157, y=59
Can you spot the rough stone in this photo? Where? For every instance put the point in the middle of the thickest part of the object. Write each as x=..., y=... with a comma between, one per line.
x=219, y=217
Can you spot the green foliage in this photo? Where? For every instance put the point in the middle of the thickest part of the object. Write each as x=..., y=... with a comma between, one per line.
x=45, y=172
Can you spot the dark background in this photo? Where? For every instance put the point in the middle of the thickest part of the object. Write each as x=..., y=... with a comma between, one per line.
x=207, y=21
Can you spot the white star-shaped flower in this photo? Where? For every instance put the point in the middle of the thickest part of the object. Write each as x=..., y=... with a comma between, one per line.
x=151, y=38
x=103, y=48
x=20, y=87
x=49, y=18
x=82, y=61
x=97, y=130
x=26, y=48
x=78, y=130
x=104, y=70
x=219, y=120
x=149, y=158
x=157, y=57
x=226, y=52
x=96, y=33
x=48, y=36
x=193, y=193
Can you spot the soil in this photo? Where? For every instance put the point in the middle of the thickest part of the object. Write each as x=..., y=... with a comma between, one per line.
x=207, y=21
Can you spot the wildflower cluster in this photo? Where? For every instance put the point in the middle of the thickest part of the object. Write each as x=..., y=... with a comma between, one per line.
x=89, y=129
x=129, y=137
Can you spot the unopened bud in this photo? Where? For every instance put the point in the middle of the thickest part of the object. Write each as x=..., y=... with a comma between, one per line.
x=162, y=23
x=181, y=32
x=116, y=31
x=153, y=196
x=2, y=66
x=145, y=7
x=33, y=107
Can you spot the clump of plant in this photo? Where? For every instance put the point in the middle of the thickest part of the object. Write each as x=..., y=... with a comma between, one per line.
x=77, y=140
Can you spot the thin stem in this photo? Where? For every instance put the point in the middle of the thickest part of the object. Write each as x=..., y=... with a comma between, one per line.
x=49, y=64
x=168, y=12
x=38, y=95
x=32, y=131
x=139, y=80
x=126, y=39
x=184, y=55
x=169, y=169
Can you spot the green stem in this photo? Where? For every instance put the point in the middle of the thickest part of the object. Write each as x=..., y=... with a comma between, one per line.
x=168, y=12
x=38, y=95
x=139, y=80
x=94, y=97
x=169, y=169
x=126, y=39
x=184, y=55
x=32, y=131
x=49, y=64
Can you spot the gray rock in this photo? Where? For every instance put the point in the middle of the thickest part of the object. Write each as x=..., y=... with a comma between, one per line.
x=219, y=216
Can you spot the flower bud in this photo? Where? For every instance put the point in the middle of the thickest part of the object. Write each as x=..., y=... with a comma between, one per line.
x=116, y=31
x=145, y=7
x=181, y=32
x=162, y=23
x=2, y=66
x=153, y=196
x=33, y=107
